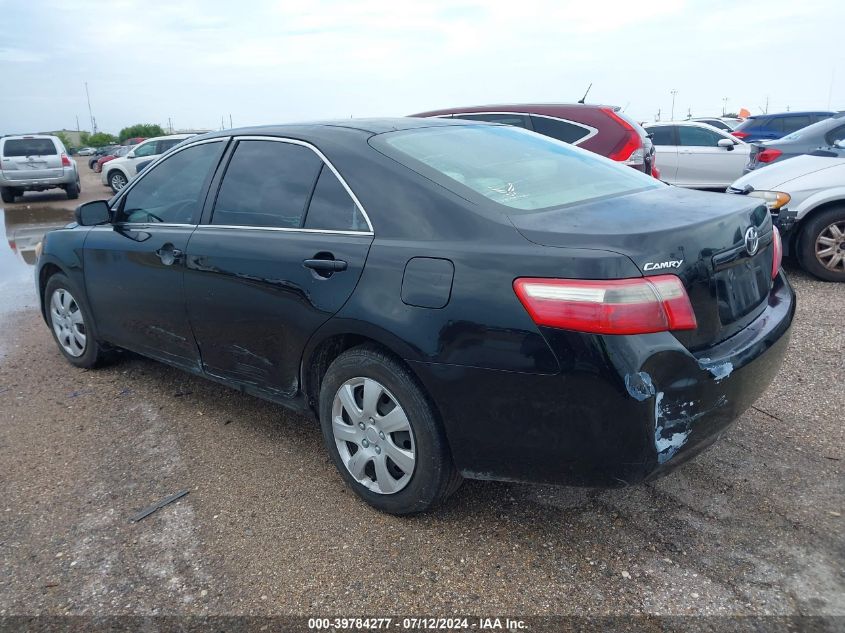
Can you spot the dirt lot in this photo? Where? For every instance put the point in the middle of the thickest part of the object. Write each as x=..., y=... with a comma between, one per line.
x=753, y=526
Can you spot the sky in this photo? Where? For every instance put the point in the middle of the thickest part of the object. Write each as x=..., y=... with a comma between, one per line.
x=196, y=62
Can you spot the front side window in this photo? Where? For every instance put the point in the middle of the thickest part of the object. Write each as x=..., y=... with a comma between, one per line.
x=837, y=134
x=509, y=166
x=331, y=206
x=697, y=137
x=662, y=135
x=561, y=130
x=146, y=149
x=267, y=184
x=172, y=192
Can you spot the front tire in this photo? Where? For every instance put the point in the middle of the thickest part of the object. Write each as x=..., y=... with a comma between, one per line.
x=117, y=180
x=69, y=321
x=821, y=245
x=383, y=434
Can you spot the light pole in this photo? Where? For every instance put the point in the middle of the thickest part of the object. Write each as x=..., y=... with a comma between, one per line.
x=724, y=105
x=673, y=92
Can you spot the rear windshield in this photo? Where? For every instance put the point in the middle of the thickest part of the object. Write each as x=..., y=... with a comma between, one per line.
x=513, y=167
x=29, y=147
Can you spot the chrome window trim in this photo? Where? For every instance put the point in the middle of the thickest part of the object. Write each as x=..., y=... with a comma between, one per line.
x=591, y=131
x=283, y=228
x=326, y=161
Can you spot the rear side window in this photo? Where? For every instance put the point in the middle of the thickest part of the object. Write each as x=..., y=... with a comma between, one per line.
x=510, y=166
x=794, y=123
x=267, y=184
x=29, y=147
x=171, y=191
x=166, y=144
x=331, y=206
x=663, y=135
x=561, y=130
x=505, y=118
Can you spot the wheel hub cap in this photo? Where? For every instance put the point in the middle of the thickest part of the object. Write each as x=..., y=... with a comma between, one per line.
x=68, y=324
x=830, y=247
x=373, y=436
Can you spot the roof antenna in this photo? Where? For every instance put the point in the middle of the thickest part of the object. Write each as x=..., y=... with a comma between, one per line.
x=582, y=99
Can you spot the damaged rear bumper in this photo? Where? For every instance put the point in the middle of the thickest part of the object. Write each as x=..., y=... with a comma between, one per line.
x=623, y=409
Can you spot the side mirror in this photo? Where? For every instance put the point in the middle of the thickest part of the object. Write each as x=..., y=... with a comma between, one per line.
x=726, y=143
x=130, y=155
x=93, y=213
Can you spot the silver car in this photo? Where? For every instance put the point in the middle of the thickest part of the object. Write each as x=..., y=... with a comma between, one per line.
x=35, y=162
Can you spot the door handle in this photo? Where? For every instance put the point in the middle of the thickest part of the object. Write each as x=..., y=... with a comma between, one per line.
x=325, y=265
x=168, y=254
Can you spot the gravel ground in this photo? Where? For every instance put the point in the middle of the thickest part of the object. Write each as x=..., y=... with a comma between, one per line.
x=753, y=526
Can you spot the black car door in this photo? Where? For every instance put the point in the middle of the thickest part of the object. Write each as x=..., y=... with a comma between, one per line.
x=134, y=267
x=278, y=255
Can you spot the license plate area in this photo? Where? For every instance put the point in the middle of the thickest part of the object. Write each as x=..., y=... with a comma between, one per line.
x=743, y=287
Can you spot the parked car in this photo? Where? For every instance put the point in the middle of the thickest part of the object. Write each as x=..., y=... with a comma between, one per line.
x=85, y=151
x=36, y=162
x=605, y=130
x=767, y=127
x=108, y=150
x=697, y=155
x=451, y=298
x=728, y=125
x=825, y=133
x=806, y=196
x=121, y=170
x=119, y=152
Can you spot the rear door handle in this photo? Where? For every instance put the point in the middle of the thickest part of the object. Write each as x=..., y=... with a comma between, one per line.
x=325, y=265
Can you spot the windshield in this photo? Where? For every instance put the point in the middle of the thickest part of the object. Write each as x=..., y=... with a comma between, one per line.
x=511, y=166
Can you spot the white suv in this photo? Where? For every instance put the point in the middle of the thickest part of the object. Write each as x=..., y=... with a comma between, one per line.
x=35, y=162
x=118, y=172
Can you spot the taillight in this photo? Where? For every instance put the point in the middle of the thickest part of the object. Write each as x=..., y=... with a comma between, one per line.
x=740, y=134
x=777, y=252
x=626, y=150
x=615, y=306
x=13, y=246
x=768, y=155
x=655, y=172
x=65, y=161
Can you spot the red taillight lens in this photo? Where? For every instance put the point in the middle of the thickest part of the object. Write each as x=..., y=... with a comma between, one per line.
x=777, y=252
x=65, y=161
x=655, y=172
x=631, y=141
x=616, y=306
x=768, y=155
x=740, y=134
x=13, y=246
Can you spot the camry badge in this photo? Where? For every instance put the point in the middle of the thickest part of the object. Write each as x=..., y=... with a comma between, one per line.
x=672, y=263
x=752, y=241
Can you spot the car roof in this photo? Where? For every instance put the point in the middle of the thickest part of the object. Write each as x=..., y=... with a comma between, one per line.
x=166, y=136
x=528, y=108
x=692, y=123
x=20, y=136
x=791, y=113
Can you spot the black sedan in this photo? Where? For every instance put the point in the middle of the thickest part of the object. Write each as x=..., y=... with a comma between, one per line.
x=451, y=299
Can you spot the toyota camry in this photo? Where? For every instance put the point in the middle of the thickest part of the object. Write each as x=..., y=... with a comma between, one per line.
x=450, y=299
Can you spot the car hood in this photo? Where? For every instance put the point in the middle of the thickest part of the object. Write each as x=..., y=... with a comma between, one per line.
x=778, y=174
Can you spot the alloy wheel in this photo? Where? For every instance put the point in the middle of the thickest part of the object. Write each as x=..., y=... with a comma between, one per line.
x=67, y=321
x=830, y=246
x=118, y=181
x=373, y=436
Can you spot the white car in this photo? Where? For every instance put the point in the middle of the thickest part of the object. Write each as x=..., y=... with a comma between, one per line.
x=118, y=172
x=697, y=155
x=86, y=151
x=806, y=196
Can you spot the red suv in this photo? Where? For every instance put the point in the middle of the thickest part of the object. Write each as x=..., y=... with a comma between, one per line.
x=605, y=130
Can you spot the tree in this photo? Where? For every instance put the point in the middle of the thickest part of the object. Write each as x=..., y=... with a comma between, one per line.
x=145, y=130
x=65, y=140
x=84, y=138
x=101, y=139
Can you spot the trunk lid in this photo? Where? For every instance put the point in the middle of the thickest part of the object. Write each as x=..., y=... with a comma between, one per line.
x=700, y=237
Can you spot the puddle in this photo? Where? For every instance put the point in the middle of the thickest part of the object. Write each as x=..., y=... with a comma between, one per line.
x=21, y=229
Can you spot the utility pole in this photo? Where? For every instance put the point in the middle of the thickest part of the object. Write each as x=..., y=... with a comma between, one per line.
x=657, y=118
x=230, y=120
x=724, y=105
x=169, y=126
x=673, y=92
x=689, y=113
x=77, y=124
x=90, y=113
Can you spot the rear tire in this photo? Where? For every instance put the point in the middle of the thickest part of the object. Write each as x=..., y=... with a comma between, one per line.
x=423, y=474
x=70, y=323
x=7, y=194
x=72, y=190
x=821, y=245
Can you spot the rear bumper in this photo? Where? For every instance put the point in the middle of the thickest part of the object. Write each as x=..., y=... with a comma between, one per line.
x=623, y=410
x=37, y=183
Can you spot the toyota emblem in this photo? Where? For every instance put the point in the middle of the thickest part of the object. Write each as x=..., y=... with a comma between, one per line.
x=752, y=241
